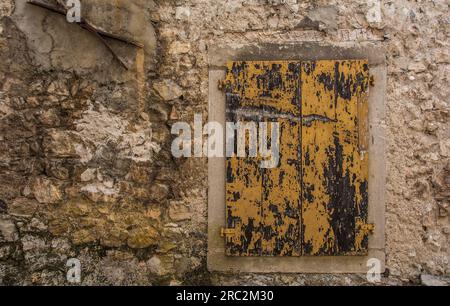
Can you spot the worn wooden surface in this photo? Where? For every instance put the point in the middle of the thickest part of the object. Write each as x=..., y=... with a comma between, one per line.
x=315, y=201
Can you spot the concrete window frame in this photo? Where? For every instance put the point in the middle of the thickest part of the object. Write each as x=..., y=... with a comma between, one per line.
x=217, y=260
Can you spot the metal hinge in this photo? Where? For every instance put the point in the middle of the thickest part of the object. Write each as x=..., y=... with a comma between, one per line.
x=365, y=228
x=371, y=81
x=227, y=233
x=222, y=84
x=368, y=228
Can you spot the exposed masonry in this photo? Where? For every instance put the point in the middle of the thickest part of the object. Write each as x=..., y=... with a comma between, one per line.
x=85, y=163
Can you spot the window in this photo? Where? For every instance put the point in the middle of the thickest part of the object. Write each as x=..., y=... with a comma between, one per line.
x=298, y=244
x=315, y=201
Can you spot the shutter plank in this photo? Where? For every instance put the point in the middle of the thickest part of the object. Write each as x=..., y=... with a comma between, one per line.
x=269, y=90
x=281, y=200
x=335, y=165
x=244, y=177
x=243, y=214
x=318, y=118
x=350, y=207
x=281, y=185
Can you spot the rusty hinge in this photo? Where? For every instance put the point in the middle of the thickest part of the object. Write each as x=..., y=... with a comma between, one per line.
x=371, y=81
x=227, y=233
x=367, y=228
x=222, y=84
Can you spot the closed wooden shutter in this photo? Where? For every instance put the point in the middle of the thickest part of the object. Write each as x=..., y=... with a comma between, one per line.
x=315, y=201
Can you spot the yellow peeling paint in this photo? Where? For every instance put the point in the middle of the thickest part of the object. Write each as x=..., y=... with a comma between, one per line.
x=317, y=141
x=265, y=83
x=315, y=201
x=281, y=202
x=243, y=198
x=351, y=127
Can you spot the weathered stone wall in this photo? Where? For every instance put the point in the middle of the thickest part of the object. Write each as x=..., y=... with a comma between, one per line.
x=86, y=169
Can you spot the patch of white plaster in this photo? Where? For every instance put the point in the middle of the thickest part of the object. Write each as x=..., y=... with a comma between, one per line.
x=373, y=14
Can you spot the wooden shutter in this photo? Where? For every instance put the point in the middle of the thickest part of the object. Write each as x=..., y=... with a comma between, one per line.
x=315, y=202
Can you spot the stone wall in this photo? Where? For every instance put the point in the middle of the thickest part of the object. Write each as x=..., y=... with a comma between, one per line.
x=86, y=167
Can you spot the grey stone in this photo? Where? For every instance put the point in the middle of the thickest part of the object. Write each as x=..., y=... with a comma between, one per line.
x=182, y=12
x=59, y=143
x=432, y=280
x=32, y=243
x=22, y=207
x=88, y=175
x=326, y=16
x=4, y=252
x=373, y=14
x=158, y=192
x=159, y=266
x=45, y=191
x=444, y=147
x=178, y=211
x=168, y=90
x=154, y=265
x=8, y=230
